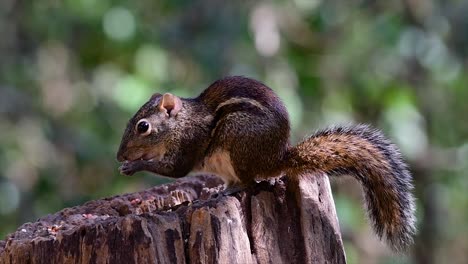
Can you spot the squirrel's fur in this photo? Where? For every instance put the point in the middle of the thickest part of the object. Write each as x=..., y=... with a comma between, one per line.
x=239, y=129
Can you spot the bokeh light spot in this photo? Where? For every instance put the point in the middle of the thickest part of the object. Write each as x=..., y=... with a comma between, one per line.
x=130, y=93
x=151, y=63
x=119, y=24
x=266, y=34
x=9, y=197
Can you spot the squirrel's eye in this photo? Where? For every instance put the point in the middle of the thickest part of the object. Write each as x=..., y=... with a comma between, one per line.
x=143, y=127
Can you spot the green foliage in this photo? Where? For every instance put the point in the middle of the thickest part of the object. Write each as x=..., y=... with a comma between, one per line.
x=73, y=73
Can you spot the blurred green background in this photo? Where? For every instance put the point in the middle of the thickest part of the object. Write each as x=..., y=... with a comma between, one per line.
x=73, y=72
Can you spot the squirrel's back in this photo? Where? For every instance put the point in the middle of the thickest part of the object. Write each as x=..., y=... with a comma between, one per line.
x=227, y=90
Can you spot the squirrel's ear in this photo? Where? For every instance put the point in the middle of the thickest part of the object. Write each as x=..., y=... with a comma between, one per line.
x=171, y=103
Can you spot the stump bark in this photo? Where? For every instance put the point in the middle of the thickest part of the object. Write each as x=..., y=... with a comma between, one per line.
x=279, y=221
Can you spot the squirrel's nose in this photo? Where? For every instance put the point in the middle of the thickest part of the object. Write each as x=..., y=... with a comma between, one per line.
x=121, y=156
x=120, y=159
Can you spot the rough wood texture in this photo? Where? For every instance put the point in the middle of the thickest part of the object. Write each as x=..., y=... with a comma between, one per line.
x=271, y=222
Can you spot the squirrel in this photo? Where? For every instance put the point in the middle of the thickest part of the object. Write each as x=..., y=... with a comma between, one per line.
x=238, y=129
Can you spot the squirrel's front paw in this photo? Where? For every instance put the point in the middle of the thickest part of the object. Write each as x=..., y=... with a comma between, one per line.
x=128, y=168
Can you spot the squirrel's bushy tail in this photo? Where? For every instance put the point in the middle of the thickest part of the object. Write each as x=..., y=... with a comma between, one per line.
x=376, y=163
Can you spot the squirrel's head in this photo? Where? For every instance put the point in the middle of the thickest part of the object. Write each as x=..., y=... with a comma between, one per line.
x=150, y=128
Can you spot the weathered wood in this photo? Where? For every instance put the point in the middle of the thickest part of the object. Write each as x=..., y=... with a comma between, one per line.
x=279, y=221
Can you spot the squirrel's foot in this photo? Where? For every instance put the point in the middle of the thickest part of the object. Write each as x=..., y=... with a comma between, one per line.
x=228, y=191
x=130, y=167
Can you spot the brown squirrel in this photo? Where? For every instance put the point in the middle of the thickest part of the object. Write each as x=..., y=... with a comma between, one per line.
x=239, y=130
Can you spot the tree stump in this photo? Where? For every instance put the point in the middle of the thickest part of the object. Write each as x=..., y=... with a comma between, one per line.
x=279, y=221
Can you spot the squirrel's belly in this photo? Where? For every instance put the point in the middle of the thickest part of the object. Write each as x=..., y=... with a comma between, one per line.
x=219, y=163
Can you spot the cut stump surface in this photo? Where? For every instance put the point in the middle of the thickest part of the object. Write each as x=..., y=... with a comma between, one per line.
x=278, y=221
